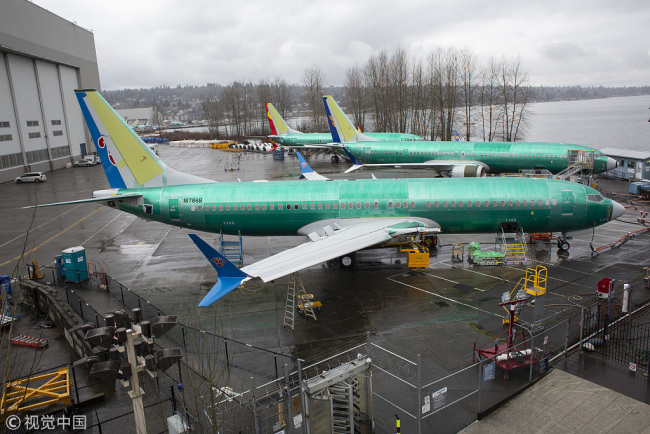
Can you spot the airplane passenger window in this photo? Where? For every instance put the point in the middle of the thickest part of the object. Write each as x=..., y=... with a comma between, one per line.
x=398, y=204
x=220, y=207
x=540, y=203
x=460, y=203
x=405, y=205
x=342, y=205
x=412, y=204
x=516, y=203
x=554, y=202
x=532, y=202
x=192, y=208
x=320, y=206
x=200, y=208
x=249, y=207
x=264, y=207
x=358, y=205
x=335, y=205
x=390, y=204
x=436, y=204
x=288, y=207
x=272, y=207
x=304, y=206
x=257, y=207
x=453, y=204
x=350, y=205
x=366, y=205
x=469, y=203
x=327, y=205
x=444, y=204
x=235, y=207
x=295, y=206
x=509, y=203
x=428, y=204
x=312, y=206
x=376, y=204
x=525, y=203
x=227, y=207
x=502, y=203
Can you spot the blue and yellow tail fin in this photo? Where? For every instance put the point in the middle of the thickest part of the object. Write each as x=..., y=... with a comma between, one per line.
x=229, y=276
x=340, y=126
x=278, y=126
x=127, y=160
x=456, y=136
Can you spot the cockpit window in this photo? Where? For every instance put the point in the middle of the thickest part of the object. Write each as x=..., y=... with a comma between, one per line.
x=598, y=154
x=595, y=198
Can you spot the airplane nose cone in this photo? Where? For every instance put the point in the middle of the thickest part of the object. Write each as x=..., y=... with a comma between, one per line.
x=611, y=163
x=618, y=210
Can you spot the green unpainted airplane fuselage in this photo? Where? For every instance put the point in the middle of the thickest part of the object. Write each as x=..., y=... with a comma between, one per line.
x=501, y=157
x=324, y=138
x=470, y=205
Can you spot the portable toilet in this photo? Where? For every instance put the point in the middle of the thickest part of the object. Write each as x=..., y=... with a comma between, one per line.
x=5, y=283
x=59, y=265
x=76, y=267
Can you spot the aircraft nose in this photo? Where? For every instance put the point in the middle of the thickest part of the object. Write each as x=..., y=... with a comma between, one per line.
x=618, y=210
x=611, y=163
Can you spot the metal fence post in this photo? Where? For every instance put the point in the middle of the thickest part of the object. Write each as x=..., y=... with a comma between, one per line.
x=532, y=353
x=480, y=385
x=67, y=296
x=97, y=320
x=225, y=344
x=81, y=309
x=256, y=416
x=183, y=333
x=122, y=292
x=582, y=324
x=303, y=406
x=419, y=403
x=566, y=336
x=289, y=404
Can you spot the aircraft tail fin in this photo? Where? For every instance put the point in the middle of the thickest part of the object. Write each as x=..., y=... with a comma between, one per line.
x=340, y=126
x=307, y=172
x=278, y=126
x=456, y=136
x=127, y=161
x=229, y=276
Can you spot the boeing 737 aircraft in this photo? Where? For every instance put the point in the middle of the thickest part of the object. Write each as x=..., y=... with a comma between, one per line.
x=336, y=217
x=284, y=135
x=457, y=158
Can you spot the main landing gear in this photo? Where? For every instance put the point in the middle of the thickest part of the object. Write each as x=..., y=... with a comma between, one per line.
x=562, y=243
x=347, y=261
x=335, y=159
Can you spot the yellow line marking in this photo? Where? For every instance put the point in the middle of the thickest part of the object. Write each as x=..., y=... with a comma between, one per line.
x=51, y=238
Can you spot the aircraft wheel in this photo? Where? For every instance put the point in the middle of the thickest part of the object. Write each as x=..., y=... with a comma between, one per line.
x=563, y=245
x=335, y=159
x=347, y=261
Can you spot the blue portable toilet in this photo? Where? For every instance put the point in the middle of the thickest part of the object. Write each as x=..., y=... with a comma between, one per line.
x=5, y=283
x=59, y=265
x=74, y=261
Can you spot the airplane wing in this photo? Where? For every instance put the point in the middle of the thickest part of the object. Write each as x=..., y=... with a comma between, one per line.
x=328, y=240
x=456, y=168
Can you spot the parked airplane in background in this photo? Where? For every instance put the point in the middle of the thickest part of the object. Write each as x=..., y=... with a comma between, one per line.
x=457, y=159
x=284, y=135
x=336, y=217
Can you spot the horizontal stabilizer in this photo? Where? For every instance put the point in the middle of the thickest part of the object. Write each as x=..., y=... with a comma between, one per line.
x=229, y=276
x=96, y=199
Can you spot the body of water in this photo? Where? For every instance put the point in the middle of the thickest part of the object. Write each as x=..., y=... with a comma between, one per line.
x=612, y=122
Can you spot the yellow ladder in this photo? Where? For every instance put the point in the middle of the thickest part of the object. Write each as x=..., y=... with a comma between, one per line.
x=304, y=304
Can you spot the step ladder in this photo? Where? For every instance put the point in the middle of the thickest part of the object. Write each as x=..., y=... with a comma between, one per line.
x=515, y=253
x=232, y=250
x=296, y=290
x=514, y=249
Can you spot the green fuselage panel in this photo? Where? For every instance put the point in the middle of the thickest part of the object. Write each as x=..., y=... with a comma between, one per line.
x=501, y=157
x=324, y=138
x=465, y=205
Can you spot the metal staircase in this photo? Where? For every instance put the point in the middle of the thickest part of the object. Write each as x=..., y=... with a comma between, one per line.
x=344, y=397
x=515, y=249
x=290, y=308
x=232, y=250
x=579, y=162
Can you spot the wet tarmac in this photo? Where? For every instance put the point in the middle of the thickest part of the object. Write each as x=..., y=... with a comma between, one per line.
x=438, y=312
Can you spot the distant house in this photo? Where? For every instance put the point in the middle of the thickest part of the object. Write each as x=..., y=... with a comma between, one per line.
x=632, y=164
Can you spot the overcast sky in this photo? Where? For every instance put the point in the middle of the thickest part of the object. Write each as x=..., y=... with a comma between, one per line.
x=146, y=43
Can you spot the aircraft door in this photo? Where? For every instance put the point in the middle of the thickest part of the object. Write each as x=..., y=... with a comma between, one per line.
x=568, y=201
x=174, y=209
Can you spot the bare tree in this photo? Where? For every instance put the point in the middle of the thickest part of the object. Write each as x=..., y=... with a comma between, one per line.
x=398, y=90
x=489, y=100
x=468, y=71
x=515, y=96
x=356, y=94
x=282, y=97
x=313, y=82
x=213, y=111
x=264, y=96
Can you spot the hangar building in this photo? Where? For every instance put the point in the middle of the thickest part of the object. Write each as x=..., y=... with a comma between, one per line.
x=43, y=59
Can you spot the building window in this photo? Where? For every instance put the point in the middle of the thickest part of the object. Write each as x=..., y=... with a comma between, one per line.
x=32, y=123
x=5, y=137
x=34, y=135
x=56, y=122
x=4, y=124
x=57, y=133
